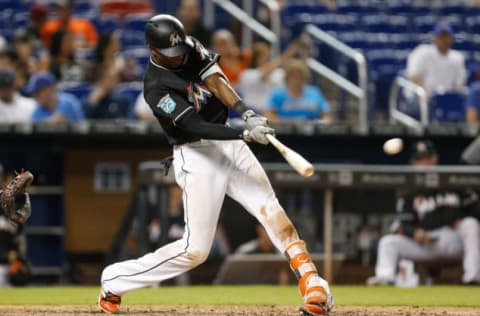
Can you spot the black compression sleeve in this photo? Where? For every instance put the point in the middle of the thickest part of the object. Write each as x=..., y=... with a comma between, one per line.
x=240, y=107
x=193, y=124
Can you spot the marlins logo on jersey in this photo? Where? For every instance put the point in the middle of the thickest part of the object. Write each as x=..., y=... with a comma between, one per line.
x=198, y=95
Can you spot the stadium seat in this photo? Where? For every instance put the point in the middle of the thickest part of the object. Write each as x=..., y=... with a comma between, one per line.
x=79, y=89
x=135, y=22
x=452, y=9
x=141, y=54
x=106, y=23
x=447, y=107
x=334, y=22
x=83, y=6
x=19, y=20
x=385, y=24
x=473, y=24
x=132, y=38
x=131, y=90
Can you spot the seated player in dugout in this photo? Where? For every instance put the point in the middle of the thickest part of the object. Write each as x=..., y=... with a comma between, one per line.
x=432, y=224
x=190, y=97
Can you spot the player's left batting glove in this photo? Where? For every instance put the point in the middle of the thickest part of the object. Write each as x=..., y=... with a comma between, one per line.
x=257, y=134
x=253, y=120
x=14, y=200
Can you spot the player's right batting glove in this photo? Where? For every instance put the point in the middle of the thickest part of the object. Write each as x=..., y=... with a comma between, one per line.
x=257, y=134
x=253, y=120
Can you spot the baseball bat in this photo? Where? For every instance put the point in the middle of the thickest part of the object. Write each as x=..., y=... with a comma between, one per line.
x=300, y=164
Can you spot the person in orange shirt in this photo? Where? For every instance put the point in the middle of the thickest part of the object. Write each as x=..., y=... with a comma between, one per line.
x=84, y=32
x=233, y=61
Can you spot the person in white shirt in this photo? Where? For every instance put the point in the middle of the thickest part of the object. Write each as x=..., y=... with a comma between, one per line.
x=263, y=74
x=14, y=108
x=436, y=67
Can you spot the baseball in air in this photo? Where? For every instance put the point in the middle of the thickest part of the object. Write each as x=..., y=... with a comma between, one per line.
x=393, y=146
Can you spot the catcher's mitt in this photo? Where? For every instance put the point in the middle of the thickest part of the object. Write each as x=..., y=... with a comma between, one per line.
x=14, y=200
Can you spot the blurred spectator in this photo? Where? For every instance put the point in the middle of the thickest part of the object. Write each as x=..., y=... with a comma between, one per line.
x=28, y=61
x=108, y=60
x=62, y=59
x=298, y=100
x=14, y=108
x=263, y=74
x=432, y=224
x=143, y=110
x=3, y=43
x=436, y=67
x=83, y=31
x=8, y=57
x=473, y=103
x=38, y=13
x=189, y=13
x=52, y=106
x=233, y=62
x=106, y=74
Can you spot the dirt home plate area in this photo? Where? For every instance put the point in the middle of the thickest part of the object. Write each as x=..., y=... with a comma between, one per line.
x=190, y=310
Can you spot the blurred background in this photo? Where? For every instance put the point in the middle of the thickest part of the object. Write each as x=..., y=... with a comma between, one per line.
x=336, y=79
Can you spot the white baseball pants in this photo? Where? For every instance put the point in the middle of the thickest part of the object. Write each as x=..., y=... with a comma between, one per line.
x=460, y=243
x=206, y=170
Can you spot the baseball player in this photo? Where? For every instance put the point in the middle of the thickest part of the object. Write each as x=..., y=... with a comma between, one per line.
x=431, y=224
x=190, y=96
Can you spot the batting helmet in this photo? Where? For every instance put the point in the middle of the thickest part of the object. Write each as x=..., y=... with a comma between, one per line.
x=167, y=36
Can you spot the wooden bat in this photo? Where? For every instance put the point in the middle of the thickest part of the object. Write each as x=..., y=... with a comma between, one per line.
x=300, y=164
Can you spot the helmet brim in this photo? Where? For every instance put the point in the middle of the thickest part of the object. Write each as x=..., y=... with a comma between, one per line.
x=179, y=50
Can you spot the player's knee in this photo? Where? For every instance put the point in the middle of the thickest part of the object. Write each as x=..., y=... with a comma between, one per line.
x=196, y=257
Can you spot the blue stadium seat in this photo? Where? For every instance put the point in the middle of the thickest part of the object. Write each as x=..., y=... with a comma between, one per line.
x=381, y=57
x=473, y=24
x=15, y=5
x=84, y=6
x=385, y=24
x=357, y=40
x=141, y=54
x=452, y=9
x=131, y=90
x=130, y=38
x=334, y=22
x=79, y=89
x=447, y=107
x=424, y=24
x=19, y=20
x=403, y=41
x=135, y=22
x=106, y=23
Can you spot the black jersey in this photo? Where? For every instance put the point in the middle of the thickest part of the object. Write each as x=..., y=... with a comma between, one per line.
x=173, y=93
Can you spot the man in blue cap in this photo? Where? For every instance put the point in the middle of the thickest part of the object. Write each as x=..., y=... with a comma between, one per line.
x=436, y=67
x=52, y=106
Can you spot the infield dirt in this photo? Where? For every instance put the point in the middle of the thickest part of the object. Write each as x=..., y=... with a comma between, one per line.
x=191, y=310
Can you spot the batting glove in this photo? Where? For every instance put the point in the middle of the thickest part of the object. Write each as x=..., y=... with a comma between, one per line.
x=258, y=134
x=253, y=120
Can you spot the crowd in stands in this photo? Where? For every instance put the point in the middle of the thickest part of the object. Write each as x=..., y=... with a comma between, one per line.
x=98, y=64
